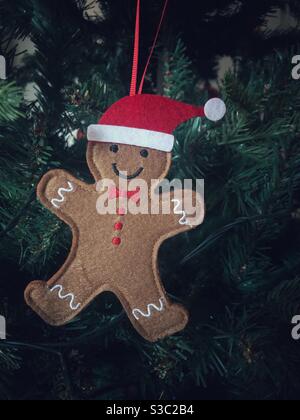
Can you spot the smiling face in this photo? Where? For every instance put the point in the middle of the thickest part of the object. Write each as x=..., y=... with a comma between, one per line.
x=115, y=161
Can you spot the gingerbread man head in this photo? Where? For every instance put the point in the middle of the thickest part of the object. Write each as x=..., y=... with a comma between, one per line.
x=134, y=138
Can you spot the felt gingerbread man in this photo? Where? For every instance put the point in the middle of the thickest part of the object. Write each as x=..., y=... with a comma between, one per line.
x=118, y=252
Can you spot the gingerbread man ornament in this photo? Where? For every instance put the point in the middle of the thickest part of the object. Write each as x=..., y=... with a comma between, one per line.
x=118, y=252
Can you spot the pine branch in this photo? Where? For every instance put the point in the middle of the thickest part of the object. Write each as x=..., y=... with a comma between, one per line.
x=10, y=100
x=16, y=219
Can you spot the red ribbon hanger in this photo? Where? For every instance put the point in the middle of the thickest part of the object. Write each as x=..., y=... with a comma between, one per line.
x=133, y=87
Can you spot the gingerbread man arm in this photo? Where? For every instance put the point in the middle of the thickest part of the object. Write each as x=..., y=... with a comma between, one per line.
x=187, y=210
x=62, y=194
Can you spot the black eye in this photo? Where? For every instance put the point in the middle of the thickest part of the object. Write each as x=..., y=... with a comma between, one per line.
x=144, y=153
x=114, y=148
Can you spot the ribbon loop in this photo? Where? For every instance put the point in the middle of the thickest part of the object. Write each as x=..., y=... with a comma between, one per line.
x=137, y=46
x=135, y=63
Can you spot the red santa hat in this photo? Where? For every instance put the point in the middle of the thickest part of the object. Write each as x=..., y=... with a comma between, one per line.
x=148, y=121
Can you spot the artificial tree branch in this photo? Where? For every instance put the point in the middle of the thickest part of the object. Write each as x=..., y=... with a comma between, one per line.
x=15, y=220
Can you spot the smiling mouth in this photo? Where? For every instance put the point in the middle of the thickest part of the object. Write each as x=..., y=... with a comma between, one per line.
x=121, y=174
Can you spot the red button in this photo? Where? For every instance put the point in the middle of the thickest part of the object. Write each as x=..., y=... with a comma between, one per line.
x=116, y=241
x=121, y=212
x=119, y=226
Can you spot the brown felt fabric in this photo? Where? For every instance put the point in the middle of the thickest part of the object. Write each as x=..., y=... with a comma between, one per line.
x=95, y=265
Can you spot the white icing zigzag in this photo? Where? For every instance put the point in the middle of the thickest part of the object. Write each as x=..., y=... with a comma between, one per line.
x=63, y=297
x=57, y=201
x=183, y=220
x=137, y=312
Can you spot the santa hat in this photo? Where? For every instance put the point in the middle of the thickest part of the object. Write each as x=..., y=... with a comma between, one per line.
x=148, y=121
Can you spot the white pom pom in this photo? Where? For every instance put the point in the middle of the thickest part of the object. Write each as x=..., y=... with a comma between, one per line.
x=215, y=109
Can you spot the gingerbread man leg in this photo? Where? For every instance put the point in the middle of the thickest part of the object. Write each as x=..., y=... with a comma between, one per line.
x=152, y=313
x=60, y=299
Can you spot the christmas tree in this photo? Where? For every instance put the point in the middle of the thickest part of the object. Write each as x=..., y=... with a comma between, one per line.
x=238, y=273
